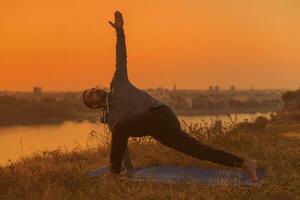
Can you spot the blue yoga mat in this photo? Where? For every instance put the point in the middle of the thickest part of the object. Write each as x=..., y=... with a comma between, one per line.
x=188, y=174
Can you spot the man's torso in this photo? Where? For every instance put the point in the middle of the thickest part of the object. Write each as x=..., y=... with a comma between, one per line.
x=126, y=100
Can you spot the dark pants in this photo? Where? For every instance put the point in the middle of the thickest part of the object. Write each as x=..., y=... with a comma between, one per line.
x=162, y=124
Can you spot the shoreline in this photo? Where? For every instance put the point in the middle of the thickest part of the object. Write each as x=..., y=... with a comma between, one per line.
x=93, y=117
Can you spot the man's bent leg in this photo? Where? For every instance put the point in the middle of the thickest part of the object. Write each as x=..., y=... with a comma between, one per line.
x=118, y=146
x=134, y=126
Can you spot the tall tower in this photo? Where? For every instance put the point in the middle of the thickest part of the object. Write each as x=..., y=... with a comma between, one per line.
x=37, y=91
x=232, y=88
x=174, y=87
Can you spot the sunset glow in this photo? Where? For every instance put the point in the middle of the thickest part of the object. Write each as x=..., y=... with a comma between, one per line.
x=69, y=45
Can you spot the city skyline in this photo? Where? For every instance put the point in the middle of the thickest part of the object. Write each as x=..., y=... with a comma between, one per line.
x=209, y=87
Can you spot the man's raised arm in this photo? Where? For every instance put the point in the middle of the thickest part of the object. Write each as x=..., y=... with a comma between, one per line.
x=121, y=57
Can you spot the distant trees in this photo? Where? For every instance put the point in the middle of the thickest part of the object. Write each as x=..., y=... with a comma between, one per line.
x=291, y=110
x=243, y=104
x=290, y=95
x=13, y=108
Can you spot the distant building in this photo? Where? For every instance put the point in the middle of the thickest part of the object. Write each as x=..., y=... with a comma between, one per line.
x=189, y=102
x=232, y=88
x=217, y=89
x=201, y=102
x=37, y=91
x=72, y=96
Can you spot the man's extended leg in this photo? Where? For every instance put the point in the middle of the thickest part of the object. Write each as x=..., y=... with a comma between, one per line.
x=181, y=141
x=184, y=143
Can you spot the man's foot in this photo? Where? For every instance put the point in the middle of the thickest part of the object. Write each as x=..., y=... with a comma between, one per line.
x=249, y=167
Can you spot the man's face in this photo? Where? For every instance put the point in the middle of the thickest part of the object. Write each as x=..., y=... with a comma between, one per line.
x=95, y=98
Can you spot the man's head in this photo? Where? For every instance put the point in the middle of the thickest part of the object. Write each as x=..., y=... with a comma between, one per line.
x=94, y=98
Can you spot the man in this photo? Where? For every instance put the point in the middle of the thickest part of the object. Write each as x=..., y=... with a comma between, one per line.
x=131, y=112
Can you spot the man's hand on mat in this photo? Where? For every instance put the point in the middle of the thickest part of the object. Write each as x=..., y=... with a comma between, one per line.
x=118, y=24
x=249, y=167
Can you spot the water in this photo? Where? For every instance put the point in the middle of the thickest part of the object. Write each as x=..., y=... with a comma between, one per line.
x=22, y=141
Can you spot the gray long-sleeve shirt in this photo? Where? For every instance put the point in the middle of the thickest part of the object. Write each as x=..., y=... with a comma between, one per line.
x=125, y=99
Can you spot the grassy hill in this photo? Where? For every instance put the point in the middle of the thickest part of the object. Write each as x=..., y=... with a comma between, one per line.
x=62, y=175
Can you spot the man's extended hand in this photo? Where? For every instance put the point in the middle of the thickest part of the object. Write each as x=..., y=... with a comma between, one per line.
x=118, y=24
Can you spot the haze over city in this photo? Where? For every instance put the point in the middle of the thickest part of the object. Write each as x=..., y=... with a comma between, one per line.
x=68, y=45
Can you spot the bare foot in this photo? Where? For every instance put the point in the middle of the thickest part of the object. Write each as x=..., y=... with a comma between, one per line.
x=249, y=167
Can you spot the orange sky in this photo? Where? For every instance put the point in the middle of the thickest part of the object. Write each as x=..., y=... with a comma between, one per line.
x=68, y=44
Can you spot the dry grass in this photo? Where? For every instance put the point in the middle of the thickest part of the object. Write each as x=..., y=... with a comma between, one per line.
x=62, y=175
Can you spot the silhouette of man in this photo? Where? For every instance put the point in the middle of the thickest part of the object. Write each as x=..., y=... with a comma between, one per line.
x=131, y=112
